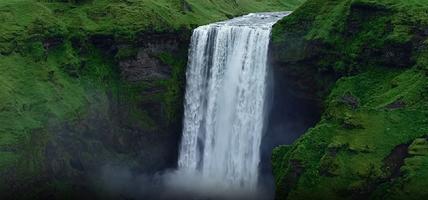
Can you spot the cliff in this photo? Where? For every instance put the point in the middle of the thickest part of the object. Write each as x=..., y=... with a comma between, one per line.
x=365, y=63
x=92, y=84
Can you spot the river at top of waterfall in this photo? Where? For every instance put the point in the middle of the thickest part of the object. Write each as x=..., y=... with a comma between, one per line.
x=225, y=105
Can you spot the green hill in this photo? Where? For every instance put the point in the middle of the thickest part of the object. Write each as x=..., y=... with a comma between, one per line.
x=369, y=60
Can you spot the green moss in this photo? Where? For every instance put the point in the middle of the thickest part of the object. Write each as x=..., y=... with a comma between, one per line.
x=358, y=31
x=50, y=70
x=378, y=102
x=29, y=20
x=34, y=96
x=126, y=52
x=353, y=157
x=173, y=96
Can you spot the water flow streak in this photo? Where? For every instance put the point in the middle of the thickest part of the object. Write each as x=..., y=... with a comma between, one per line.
x=225, y=102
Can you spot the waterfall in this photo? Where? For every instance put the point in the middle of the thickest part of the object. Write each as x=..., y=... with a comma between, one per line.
x=225, y=102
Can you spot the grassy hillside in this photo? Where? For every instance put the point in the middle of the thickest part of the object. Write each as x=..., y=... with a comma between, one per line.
x=59, y=59
x=32, y=19
x=372, y=58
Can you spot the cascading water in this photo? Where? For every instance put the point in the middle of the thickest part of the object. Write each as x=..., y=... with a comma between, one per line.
x=225, y=102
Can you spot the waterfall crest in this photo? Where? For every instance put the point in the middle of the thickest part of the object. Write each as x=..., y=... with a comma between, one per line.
x=225, y=101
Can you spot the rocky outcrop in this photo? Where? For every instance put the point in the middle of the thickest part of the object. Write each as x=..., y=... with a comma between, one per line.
x=145, y=65
x=127, y=123
x=364, y=63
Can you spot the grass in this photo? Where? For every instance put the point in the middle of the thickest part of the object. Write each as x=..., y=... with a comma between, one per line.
x=377, y=102
x=34, y=96
x=30, y=19
x=346, y=150
x=50, y=70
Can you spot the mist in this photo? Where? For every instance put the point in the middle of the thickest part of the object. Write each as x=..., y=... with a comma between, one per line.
x=120, y=182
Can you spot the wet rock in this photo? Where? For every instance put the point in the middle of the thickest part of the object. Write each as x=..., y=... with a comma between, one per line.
x=396, y=105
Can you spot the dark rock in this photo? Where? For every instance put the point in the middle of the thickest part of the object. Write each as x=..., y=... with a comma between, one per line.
x=350, y=100
x=147, y=65
x=398, y=55
x=425, y=31
x=292, y=178
x=360, y=12
x=396, y=105
x=76, y=164
x=52, y=42
x=391, y=166
x=394, y=161
x=229, y=16
x=351, y=123
x=79, y=150
x=393, y=55
x=368, y=8
x=119, y=131
x=104, y=42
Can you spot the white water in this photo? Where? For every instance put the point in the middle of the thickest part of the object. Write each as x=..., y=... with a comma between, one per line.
x=225, y=102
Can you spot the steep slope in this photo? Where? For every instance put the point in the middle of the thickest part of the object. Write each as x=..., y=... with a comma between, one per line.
x=93, y=83
x=366, y=62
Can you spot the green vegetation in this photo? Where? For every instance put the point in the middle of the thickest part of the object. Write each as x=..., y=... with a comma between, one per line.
x=24, y=20
x=371, y=141
x=173, y=97
x=33, y=95
x=39, y=91
x=58, y=58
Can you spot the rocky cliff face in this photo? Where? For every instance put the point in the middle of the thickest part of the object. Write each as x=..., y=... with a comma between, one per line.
x=133, y=122
x=365, y=64
x=145, y=65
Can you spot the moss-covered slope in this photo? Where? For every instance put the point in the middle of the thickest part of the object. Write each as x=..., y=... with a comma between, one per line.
x=368, y=64
x=32, y=19
x=85, y=83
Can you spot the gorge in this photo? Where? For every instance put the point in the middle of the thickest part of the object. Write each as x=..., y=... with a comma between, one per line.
x=335, y=96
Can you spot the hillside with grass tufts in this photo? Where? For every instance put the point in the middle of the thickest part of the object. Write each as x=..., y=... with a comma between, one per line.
x=366, y=63
x=92, y=83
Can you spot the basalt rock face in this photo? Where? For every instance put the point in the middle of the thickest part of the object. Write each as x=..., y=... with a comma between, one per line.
x=145, y=65
x=139, y=133
x=132, y=123
x=364, y=64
